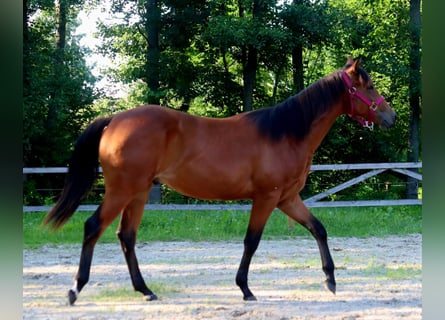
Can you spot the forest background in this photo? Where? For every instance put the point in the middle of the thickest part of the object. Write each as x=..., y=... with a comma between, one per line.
x=218, y=58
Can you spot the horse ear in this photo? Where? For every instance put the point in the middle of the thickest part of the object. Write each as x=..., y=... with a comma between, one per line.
x=352, y=65
x=357, y=62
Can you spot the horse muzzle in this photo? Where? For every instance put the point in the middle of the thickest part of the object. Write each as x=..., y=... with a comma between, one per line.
x=387, y=119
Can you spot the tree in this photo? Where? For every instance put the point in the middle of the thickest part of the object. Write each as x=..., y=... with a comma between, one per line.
x=309, y=23
x=247, y=36
x=61, y=8
x=57, y=90
x=152, y=26
x=153, y=40
x=57, y=84
x=249, y=56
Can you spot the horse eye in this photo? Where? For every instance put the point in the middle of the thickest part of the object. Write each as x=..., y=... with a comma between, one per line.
x=371, y=87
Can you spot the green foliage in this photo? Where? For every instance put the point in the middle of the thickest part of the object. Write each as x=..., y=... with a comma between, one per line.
x=54, y=79
x=310, y=22
x=31, y=195
x=231, y=225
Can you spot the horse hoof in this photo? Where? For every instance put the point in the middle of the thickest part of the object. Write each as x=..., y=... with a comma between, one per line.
x=72, y=297
x=329, y=285
x=250, y=298
x=151, y=297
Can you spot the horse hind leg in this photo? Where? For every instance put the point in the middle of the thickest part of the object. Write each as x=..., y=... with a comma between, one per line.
x=127, y=231
x=296, y=209
x=93, y=229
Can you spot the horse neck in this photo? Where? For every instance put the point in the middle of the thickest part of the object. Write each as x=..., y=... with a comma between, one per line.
x=321, y=126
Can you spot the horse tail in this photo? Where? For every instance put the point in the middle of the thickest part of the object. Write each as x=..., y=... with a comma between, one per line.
x=82, y=173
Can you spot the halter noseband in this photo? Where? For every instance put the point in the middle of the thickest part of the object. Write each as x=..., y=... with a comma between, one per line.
x=371, y=104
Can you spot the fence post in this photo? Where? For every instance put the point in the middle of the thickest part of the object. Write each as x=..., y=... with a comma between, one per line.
x=155, y=194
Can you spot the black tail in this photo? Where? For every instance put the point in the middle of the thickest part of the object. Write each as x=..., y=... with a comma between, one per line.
x=82, y=173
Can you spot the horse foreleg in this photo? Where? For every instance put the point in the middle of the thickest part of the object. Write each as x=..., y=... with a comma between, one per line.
x=297, y=210
x=131, y=218
x=258, y=217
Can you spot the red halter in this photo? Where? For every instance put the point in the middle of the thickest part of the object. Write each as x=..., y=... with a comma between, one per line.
x=371, y=104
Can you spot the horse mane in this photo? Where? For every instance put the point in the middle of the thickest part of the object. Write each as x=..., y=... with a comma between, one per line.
x=294, y=116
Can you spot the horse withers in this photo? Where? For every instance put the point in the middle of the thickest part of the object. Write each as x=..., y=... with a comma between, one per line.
x=263, y=155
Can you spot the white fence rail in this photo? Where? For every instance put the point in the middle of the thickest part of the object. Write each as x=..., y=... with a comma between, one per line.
x=311, y=202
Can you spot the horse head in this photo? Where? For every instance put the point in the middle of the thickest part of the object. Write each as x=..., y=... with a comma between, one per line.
x=366, y=105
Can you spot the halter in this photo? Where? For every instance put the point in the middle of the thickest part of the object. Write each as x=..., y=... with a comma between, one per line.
x=373, y=105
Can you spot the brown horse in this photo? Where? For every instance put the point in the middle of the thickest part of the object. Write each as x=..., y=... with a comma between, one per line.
x=263, y=155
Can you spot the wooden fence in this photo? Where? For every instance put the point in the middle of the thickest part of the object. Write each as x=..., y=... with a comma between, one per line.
x=372, y=169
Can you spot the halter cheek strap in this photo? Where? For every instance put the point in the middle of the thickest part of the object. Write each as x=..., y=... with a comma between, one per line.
x=369, y=123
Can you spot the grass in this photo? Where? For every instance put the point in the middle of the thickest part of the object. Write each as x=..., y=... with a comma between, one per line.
x=124, y=293
x=401, y=272
x=231, y=225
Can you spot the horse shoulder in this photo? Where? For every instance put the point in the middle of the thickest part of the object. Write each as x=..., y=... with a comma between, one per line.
x=283, y=165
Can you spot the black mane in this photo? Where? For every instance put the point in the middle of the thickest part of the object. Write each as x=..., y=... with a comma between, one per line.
x=294, y=116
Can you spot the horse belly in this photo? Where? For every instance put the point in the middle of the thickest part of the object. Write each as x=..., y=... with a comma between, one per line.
x=197, y=182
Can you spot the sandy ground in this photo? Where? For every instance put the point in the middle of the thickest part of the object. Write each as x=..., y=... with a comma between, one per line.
x=377, y=278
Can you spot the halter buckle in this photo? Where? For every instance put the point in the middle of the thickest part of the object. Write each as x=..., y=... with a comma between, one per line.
x=369, y=125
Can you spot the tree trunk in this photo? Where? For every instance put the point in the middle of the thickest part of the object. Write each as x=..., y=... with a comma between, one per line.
x=152, y=26
x=61, y=7
x=298, y=79
x=297, y=59
x=415, y=93
x=277, y=80
x=250, y=62
x=297, y=68
x=61, y=15
x=249, y=75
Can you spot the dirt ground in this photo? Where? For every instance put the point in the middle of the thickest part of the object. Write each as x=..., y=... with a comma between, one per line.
x=377, y=278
